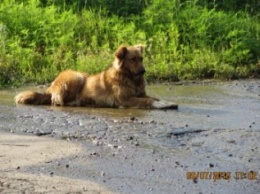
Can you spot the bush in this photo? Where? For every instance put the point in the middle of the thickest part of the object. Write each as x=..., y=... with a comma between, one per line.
x=184, y=39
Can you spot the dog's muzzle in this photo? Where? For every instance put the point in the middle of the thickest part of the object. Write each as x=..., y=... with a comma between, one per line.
x=141, y=72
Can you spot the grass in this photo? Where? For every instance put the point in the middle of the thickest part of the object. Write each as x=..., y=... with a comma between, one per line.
x=184, y=39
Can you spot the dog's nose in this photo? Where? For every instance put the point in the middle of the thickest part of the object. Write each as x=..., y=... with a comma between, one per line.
x=142, y=71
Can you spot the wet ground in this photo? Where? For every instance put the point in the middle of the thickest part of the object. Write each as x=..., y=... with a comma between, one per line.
x=210, y=145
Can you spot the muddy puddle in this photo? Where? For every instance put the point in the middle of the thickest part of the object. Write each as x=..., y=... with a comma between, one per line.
x=230, y=103
x=203, y=106
x=216, y=128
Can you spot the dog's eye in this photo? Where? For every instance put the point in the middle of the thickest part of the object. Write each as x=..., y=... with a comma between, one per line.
x=137, y=59
x=133, y=59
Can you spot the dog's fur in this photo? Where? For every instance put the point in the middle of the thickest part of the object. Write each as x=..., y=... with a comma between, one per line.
x=121, y=85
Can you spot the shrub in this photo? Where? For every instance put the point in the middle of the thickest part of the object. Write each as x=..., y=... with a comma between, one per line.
x=184, y=39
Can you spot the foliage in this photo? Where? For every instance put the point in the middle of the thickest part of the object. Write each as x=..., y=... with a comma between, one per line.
x=250, y=6
x=184, y=39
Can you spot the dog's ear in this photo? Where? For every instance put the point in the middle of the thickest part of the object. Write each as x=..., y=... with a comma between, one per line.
x=121, y=52
x=140, y=47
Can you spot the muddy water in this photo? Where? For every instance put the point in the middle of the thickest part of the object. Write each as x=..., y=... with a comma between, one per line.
x=216, y=128
x=200, y=98
x=203, y=106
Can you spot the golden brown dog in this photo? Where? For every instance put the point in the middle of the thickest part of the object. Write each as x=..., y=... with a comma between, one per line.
x=121, y=85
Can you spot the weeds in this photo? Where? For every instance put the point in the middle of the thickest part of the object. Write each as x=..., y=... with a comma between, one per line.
x=184, y=39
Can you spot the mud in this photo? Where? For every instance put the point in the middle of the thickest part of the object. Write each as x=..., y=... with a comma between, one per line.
x=214, y=134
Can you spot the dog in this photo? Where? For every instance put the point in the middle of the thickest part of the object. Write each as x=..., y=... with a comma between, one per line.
x=121, y=85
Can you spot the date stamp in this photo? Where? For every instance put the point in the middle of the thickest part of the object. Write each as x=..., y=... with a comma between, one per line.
x=205, y=175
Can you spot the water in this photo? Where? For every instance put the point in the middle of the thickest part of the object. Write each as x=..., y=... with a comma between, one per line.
x=229, y=103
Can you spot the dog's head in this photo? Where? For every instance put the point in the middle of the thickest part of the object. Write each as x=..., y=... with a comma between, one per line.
x=130, y=60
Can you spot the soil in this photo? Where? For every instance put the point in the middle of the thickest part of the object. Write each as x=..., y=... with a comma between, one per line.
x=209, y=145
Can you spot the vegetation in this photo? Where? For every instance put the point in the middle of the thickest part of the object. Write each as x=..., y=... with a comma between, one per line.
x=185, y=39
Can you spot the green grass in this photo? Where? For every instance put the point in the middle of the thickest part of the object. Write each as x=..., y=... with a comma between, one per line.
x=184, y=39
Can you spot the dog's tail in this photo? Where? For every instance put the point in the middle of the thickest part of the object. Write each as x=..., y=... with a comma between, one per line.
x=29, y=97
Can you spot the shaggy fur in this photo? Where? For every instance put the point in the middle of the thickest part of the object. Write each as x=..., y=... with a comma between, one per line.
x=121, y=85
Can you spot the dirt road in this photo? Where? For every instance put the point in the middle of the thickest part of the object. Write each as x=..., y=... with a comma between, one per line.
x=210, y=145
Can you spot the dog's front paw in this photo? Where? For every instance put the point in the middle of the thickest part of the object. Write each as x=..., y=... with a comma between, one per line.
x=56, y=99
x=161, y=104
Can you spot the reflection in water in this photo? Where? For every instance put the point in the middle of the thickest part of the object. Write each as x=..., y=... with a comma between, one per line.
x=7, y=97
x=104, y=112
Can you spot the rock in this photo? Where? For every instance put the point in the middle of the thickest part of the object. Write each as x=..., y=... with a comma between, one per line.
x=41, y=133
x=152, y=121
x=97, y=142
x=129, y=138
x=197, y=144
x=132, y=118
x=93, y=154
x=100, y=127
x=231, y=141
x=24, y=130
x=114, y=146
